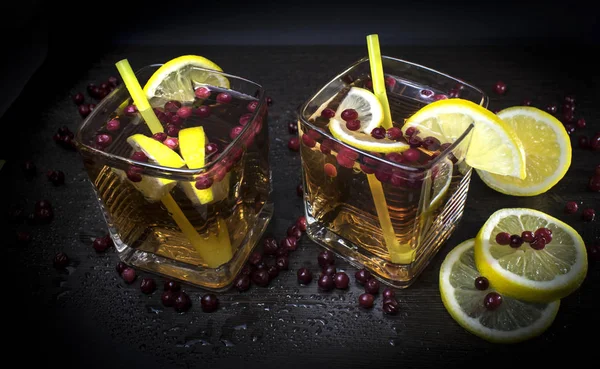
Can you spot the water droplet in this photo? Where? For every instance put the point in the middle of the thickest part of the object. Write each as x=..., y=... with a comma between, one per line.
x=240, y=327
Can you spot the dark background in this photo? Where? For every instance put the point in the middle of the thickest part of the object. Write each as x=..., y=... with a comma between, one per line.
x=34, y=30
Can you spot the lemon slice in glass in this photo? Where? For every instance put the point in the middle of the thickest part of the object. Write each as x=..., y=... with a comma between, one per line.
x=494, y=146
x=525, y=273
x=512, y=321
x=154, y=188
x=547, y=150
x=178, y=78
x=192, y=143
x=370, y=114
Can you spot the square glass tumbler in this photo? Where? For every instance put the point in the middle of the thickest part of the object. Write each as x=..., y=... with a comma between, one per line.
x=387, y=217
x=195, y=225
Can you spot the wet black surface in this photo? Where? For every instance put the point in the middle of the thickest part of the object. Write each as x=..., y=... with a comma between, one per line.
x=88, y=317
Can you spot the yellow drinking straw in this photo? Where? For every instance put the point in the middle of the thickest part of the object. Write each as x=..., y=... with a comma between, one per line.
x=400, y=254
x=206, y=247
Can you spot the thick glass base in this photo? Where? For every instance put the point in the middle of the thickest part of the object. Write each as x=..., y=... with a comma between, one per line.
x=214, y=279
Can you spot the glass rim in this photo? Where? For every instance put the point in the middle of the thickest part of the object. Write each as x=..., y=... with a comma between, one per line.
x=419, y=167
x=176, y=173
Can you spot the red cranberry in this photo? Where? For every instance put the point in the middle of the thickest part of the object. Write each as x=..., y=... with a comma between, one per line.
x=492, y=301
x=415, y=141
x=101, y=244
x=209, y=303
x=500, y=88
x=301, y=223
x=294, y=143
x=538, y=243
x=325, y=258
x=515, y=241
x=290, y=243
x=545, y=233
x=172, y=130
x=329, y=270
x=103, y=140
x=362, y=276
x=393, y=133
x=526, y=102
x=325, y=282
x=349, y=114
x=159, y=136
x=304, y=276
x=595, y=143
x=211, y=148
x=84, y=110
x=353, y=125
x=388, y=293
x=269, y=246
x=113, y=125
x=172, y=143
x=255, y=258
x=568, y=117
x=570, y=99
x=411, y=131
x=78, y=98
x=42, y=216
x=293, y=231
x=431, y=143
x=594, y=183
x=527, y=236
x=224, y=98
x=588, y=214
x=172, y=106
x=203, y=182
x=328, y=113
x=308, y=141
x=453, y=93
x=282, y=251
x=61, y=260
x=171, y=285
x=372, y=286
x=584, y=142
x=184, y=112
x=426, y=93
x=182, y=302
x=56, y=177
x=570, y=128
x=168, y=298
x=378, y=133
x=244, y=119
x=293, y=127
x=300, y=190
x=437, y=97
x=411, y=155
x=252, y=105
x=482, y=283
x=390, y=306
x=366, y=300
x=130, y=110
x=120, y=267
x=581, y=123
x=128, y=275
x=148, y=285
x=571, y=207
x=202, y=92
x=341, y=280
x=552, y=108
x=113, y=81
x=242, y=283
x=269, y=100
x=139, y=156
x=503, y=238
x=260, y=277
x=282, y=262
x=203, y=111
x=134, y=174
x=593, y=252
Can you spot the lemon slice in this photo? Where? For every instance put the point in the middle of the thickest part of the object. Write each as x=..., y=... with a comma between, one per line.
x=525, y=273
x=547, y=150
x=177, y=79
x=370, y=114
x=494, y=146
x=154, y=188
x=192, y=142
x=513, y=321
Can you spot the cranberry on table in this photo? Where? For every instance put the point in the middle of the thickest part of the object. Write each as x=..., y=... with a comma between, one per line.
x=293, y=127
x=209, y=303
x=492, y=301
x=326, y=282
x=255, y=258
x=552, y=108
x=269, y=100
x=242, y=282
x=120, y=267
x=390, y=306
x=182, y=302
x=366, y=300
x=56, y=177
x=270, y=246
x=594, y=184
x=171, y=285
x=301, y=223
x=84, y=110
x=571, y=207
x=500, y=88
x=588, y=214
x=593, y=252
x=293, y=231
x=341, y=280
x=581, y=123
x=78, y=98
x=148, y=285
x=304, y=275
x=61, y=260
x=168, y=298
x=282, y=263
x=388, y=293
x=128, y=275
x=300, y=190
x=325, y=258
x=290, y=243
x=294, y=143
x=329, y=270
x=372, y=286
x=362, y=276
x=260, y=277
x=101, y=244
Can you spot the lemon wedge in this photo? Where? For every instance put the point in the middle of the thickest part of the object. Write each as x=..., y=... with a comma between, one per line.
x=154, y=188
x=547, y=150
x=494, y=145
x=192, y=143
x=177, y=79
x=513, y=321
x=524, y=273
x=370, y=114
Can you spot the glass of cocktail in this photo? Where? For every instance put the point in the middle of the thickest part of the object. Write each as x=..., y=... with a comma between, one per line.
x=369, y=199
x=187, y=197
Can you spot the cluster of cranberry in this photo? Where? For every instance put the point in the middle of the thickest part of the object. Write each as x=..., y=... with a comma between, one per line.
x=537, y=240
